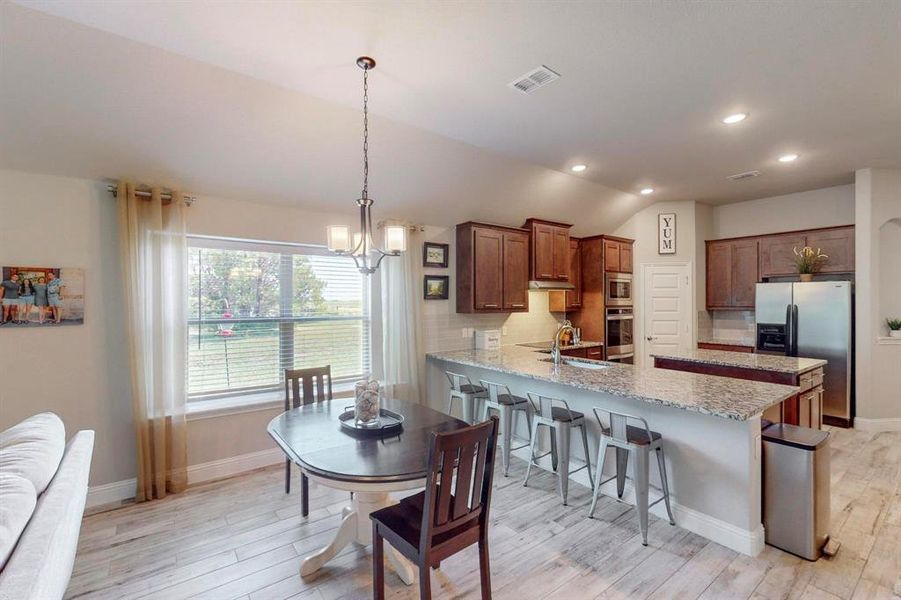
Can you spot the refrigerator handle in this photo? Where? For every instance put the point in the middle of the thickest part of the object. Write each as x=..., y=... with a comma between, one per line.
x=794, y=330
x=789, y=329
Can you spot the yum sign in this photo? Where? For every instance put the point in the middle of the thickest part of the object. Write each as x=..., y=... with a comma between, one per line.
x=666, y=233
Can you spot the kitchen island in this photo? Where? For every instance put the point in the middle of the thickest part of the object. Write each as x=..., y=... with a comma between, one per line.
x=805, y=409
x=710, y=426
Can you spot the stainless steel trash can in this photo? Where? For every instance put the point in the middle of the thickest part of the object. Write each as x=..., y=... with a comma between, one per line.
x=796, y=489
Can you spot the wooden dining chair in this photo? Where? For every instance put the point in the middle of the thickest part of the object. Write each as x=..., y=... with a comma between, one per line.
x=450, y=515
x=305, y=386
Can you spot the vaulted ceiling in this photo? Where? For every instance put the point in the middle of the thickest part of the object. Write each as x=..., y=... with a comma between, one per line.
x=261, y=100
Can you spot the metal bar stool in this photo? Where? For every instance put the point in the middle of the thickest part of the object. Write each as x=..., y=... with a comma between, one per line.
x=555, y=414
x=501, y=400
x=639, y=442
x=464, y=390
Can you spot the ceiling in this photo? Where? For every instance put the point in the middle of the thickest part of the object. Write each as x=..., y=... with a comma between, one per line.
x=643, y=88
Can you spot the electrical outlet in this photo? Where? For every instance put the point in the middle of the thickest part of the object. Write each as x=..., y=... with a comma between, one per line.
x=504, y=330
x=467, y=332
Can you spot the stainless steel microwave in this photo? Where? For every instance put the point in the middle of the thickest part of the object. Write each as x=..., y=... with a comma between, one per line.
x=618, y=288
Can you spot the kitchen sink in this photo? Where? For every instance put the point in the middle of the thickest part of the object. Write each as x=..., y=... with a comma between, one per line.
x=581, y=364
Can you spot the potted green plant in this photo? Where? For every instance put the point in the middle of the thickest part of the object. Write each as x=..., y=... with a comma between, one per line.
x=809, y=261
x=894, y=327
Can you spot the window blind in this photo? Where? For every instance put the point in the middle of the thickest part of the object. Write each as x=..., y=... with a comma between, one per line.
x=257, y=308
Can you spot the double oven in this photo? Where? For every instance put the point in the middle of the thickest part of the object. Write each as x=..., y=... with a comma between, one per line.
x=620, y=318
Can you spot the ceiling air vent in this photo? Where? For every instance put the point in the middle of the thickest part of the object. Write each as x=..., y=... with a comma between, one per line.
x=534, y=79
x=745, y=175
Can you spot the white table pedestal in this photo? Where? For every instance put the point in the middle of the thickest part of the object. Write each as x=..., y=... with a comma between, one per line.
x=356, y=525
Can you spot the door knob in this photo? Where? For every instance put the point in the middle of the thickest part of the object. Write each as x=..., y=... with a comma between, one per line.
x=651, y=338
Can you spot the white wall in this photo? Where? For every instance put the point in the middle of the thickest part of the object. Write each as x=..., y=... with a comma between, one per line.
x=826, y=207
x=878, y=212
x=642, y=227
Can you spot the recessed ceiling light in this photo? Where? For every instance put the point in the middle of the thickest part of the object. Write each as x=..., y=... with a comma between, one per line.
x=786, y=158
x=578, y=168
x=736, y=118
x=647, y=191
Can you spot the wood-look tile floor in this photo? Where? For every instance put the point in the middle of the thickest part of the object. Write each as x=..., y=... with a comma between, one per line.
x=244, y=538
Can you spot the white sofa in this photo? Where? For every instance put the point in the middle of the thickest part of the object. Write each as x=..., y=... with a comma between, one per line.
x=43, y=487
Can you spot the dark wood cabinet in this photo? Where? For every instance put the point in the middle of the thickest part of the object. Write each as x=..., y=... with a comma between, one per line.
x=492, y=268
x=735, y=265
x=569, y=300
x=617, y=255
x=611, y=256
x=777, y=254
x=550, y=250
x=838, y=245
x=731, y=274
x=516, y=270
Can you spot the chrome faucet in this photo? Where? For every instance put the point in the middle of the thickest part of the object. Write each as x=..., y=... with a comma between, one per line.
x=555, y=349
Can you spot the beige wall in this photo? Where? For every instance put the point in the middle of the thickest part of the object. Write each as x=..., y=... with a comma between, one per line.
x=81, y=373
x=826, y=207
x=878, y=211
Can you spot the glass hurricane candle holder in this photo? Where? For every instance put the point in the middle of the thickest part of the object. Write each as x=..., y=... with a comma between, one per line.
x=367, y=403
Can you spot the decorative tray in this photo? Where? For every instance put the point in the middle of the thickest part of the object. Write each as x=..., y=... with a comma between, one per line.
x=390, y=423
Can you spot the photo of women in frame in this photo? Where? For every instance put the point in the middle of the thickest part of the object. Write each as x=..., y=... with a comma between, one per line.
x=41, y=296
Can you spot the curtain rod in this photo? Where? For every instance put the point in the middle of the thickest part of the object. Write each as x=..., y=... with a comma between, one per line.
x=166, y=196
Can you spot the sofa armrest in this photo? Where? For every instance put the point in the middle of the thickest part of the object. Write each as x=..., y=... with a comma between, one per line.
x=41, y=564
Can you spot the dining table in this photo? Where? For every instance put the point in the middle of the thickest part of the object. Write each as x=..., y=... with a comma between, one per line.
x=369, y=465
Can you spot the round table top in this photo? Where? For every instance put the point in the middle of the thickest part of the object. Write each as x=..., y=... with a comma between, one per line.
x=312, y=436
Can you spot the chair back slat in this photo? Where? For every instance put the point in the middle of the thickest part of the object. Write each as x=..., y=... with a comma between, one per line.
x=618, y=423
x=306, y=386
x=463, y=486
x=461, y=464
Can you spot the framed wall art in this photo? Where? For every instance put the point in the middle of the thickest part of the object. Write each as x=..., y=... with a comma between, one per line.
x=435, y=255
x=41, y=296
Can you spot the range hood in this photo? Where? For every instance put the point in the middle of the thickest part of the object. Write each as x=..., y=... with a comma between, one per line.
x=551, y=285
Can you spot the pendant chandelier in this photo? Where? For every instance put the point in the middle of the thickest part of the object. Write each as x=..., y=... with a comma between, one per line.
x=359, y=247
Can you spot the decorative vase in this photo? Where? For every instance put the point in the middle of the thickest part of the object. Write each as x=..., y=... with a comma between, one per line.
x=895, y=333
x=806, y=277
x=366, y=403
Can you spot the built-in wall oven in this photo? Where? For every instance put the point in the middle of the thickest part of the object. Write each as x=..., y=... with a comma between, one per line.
x=618, y=289
x=619, y=340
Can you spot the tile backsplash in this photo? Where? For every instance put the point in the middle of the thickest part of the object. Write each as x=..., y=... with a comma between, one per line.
x=443, y=327
x=726, y=325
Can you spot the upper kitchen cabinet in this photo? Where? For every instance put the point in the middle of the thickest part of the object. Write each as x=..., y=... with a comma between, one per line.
x=731, y=274
x=550, y=253
x=569, y=300
x=777, y=254
x=492, y=268
x=617, y=254
x=838, y=245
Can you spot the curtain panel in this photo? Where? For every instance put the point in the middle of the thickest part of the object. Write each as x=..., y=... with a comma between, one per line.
x=403, y=359
x=153, y=250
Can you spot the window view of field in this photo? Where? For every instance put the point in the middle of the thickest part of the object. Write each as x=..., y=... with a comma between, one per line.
x=252, y=314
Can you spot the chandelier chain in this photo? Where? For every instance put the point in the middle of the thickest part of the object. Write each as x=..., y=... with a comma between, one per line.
x=365, y=133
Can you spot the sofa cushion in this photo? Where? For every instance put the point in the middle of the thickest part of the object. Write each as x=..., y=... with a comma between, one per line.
x=33, y=448
x=17, y=500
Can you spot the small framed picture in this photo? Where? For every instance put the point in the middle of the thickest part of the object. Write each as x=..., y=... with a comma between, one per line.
x=666, y=233
x=435, y=287
x=435, y=255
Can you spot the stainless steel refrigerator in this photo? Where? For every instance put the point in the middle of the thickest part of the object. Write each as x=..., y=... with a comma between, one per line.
x=812, y=320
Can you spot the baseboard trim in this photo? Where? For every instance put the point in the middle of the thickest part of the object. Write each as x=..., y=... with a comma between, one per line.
x=110, y=493
x=877, y=424
x=234, y=465
x=731, y=536
x=119, y=491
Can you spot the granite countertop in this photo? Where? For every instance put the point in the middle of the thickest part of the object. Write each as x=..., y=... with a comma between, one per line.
x=546, y=346
x=723, y=397
x=760, y=362
x=746, y=342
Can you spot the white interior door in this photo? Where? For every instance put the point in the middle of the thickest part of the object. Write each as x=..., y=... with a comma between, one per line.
x=667, y=309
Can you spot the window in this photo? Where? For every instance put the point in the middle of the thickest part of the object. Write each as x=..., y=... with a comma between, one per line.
x=255, y=309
